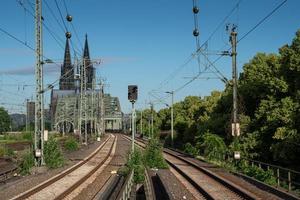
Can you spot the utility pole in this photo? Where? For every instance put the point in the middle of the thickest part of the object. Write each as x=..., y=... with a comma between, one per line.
x=172, y=118
x=39, y=118
x=132, y=97
x=141, y=123
x=151, y=105
x=133, y=125
x=235, y=124
x=27, y=113
x=101, y=96
x=85, y=101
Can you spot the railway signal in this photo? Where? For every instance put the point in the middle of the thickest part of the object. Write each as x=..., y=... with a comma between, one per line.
x=132, y=97
x=132, y=93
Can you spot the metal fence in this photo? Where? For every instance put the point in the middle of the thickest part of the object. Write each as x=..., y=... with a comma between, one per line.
x=285, y=178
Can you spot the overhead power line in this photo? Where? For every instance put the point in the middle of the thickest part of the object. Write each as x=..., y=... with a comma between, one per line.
x=262, y=20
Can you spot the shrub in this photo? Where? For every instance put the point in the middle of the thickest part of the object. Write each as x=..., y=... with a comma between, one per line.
x=27, y=136
x=213, y=146
x=153, y=155
x=27, y=162
x=53, y=154
x=266, y=176
x=135, y=162
x=190, y=149
x=71, y=144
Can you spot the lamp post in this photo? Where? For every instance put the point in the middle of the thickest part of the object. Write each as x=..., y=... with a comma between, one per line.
x=172, y=117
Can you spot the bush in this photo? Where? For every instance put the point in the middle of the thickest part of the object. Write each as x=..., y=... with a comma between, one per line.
x=71, y=144
x=27, y=162
x=266, y=176
x=213, y=146
x=53, y=154
x=190, y=149
x=27, y=136
x=135, y=162
x=153, y=155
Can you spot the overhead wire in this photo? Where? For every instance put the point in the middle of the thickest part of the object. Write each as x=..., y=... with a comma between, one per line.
x=53, y=35
x=66, y=28
x=177, y=70
x=243, y=37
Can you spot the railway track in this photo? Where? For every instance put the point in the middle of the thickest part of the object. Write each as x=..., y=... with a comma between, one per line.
x=205, y=184
x=64, y=184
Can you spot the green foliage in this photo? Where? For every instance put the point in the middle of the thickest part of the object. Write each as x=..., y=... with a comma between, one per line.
x=71, y=144
x=27, y=162
x=53, y=154
x=153, y=155
x=266, y=176
x=190, y=149
x=4, y=120
x=135, y=162
x=27, y=136
x=213, y=146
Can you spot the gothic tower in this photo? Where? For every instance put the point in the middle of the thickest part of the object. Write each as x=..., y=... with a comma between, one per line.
x=88, y=64
x=66, y=81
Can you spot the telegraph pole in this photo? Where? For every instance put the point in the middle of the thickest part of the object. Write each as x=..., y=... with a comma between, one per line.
x=85, y=101
x=133, y=125
x=151, y=105
x=172, y=118
x=101, y=96
x=38, y=125
x=235, y=125
x=141, y=122
x=27, y=113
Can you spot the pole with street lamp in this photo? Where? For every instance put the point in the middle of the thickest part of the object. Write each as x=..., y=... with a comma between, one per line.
x=172, y=118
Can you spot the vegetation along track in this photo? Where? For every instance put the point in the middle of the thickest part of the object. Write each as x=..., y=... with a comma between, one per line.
x=62, y=184
x=207, y=184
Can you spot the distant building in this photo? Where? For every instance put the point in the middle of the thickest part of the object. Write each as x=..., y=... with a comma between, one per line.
x=113, y=114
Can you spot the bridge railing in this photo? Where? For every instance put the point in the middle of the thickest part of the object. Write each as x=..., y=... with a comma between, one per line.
x=126, y=188
x=284, y=177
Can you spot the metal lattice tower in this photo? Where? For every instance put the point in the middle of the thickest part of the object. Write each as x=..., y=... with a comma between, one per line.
x=39, y=115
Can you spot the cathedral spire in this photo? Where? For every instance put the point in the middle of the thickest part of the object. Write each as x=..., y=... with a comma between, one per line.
x=86, y=52
x=67, y=57
x=66, y=81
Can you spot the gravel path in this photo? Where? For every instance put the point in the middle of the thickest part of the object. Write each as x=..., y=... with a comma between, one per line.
x=15, y=187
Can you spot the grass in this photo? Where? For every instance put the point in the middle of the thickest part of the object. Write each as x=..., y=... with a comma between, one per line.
x=27, y=162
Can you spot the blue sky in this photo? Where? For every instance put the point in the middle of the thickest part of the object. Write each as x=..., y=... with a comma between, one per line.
x=140, y=42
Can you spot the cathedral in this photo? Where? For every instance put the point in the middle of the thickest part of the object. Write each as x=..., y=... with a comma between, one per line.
x=67, y=80
x=66, y=115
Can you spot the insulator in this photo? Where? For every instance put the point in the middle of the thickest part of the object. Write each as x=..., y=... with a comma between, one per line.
x=69, y=18
x=195, y=9
x=68, y=35
x=196, y=32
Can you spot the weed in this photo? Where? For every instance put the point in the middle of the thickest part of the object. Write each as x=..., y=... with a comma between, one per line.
x=71, y=144
x=53, y=154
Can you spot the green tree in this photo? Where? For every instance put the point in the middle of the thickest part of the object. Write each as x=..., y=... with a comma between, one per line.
x=4, y=120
